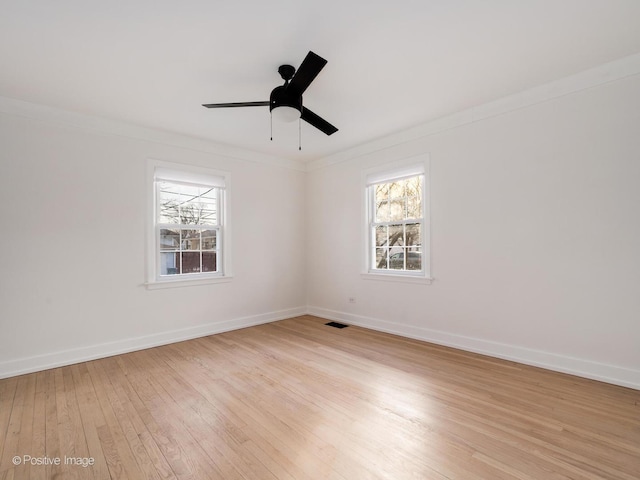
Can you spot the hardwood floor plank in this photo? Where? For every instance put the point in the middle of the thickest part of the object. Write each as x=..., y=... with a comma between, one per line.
x=65, y=428
x=14, y=426
x=92, y=419
x=8, y=474
x=296, y=399
x=38, y=434
x=25, y=439
x=78, y=448
x=52, y=442
x=7, y=395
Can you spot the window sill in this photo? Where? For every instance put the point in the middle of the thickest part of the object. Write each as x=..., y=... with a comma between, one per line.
x=390, y=277
x=185, y=282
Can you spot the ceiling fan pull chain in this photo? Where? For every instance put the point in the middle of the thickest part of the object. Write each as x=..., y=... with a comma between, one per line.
x=271, y=124
x=299, y=134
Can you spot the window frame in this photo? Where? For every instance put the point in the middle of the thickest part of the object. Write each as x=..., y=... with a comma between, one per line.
x=388, y=173
x=196, y=176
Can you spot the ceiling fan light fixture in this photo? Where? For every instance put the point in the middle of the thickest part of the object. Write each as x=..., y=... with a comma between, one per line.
x=285, y=113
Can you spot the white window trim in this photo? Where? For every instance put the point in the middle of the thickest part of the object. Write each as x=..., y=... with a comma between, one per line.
x=194, y=174
x=389, y=171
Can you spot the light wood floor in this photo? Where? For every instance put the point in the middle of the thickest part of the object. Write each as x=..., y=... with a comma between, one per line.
x=299, y=400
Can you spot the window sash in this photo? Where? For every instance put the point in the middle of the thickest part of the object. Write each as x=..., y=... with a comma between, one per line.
x=218, y=196
x=180, y=250
x=373, y=248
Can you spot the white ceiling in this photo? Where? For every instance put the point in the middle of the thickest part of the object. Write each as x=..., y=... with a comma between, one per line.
x=392, y=65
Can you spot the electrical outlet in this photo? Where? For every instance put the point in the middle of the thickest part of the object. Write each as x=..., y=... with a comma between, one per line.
x=352, y=299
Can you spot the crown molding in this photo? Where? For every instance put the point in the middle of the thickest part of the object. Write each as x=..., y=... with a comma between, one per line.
x=89, y=123
x=603, y=74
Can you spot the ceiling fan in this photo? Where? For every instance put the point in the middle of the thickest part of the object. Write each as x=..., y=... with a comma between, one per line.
x=285, y=102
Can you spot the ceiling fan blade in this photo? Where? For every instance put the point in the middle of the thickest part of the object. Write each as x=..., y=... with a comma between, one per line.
x=308, y=70
x=318, y=122
x=237, y=104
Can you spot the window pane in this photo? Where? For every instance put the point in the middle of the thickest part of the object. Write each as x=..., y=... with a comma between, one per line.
x=413, y=237
x=396, y=189
x=405, y=259
x=381, y=236
x=207, y=212
x=190, y=214
x=169, y=263
x=190, y=262
x=169, y=239
x=414, y=207
x=382, y=192
x=396, y=235
x=209, y=240
x=200, y=207
x=397, y=201
x=197, y=213
x=169, y=200
x=381, y=259
x=190, y=239
x=381, y=204
x=414, y=186
x=414, y=260
x=168, y=212
x=396, y=259
x=382, y=211
x=397, y=209
x=209, y=263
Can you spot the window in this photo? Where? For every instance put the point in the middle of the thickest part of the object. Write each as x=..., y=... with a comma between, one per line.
x=188, y=224
x=188, y=227
x=397, y=229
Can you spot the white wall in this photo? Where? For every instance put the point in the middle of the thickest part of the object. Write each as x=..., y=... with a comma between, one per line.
x=73, y=210
x=535, y=236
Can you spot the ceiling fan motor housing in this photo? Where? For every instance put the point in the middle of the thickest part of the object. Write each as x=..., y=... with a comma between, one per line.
x=283, y=97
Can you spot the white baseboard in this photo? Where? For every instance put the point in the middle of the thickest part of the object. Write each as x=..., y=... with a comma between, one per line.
x=46, y=361
x=551, y=361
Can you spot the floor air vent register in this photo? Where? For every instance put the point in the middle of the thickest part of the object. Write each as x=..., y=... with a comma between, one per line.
x=336, y=325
